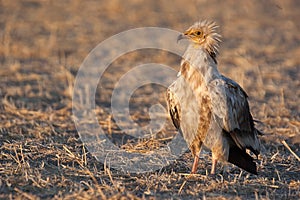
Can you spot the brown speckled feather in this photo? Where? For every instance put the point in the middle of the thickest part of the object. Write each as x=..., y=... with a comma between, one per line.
x=174, y=108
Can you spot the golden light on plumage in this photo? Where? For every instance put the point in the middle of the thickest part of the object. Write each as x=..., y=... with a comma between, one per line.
x=203, y=34
x=208, y=108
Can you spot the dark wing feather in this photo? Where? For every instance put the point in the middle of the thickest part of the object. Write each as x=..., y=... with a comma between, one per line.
x=174, y=108
x=231, y=111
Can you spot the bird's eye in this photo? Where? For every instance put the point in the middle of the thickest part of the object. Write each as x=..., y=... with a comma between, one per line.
x=198, y=32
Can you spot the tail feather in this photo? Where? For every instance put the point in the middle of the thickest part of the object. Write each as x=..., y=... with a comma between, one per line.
x=241, y=159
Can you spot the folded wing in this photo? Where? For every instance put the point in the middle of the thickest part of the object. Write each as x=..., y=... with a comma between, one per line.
x=231, y=111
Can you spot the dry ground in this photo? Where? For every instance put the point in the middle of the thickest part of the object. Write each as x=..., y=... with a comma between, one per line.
x=43, y=43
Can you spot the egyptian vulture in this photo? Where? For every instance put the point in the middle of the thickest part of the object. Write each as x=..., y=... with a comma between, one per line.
x=209, y=109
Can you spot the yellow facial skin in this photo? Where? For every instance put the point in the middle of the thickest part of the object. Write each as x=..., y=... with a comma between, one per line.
x=196, y=35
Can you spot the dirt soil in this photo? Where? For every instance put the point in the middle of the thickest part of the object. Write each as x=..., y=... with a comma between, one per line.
x=42, y=45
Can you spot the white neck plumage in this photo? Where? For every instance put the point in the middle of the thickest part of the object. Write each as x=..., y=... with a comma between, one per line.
x=202, y=61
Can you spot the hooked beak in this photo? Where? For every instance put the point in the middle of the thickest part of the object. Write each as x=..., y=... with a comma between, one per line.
x=181, y=36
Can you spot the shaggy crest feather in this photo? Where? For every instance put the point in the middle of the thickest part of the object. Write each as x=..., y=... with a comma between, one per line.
x=203, y=33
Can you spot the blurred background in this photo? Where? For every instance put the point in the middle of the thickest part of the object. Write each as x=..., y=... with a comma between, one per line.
x=43, y=44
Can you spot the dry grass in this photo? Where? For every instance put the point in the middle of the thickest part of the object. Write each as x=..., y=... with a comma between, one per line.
x=42, y=44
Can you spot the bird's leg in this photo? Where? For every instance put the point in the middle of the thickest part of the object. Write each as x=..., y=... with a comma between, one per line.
x=195, y=165
x=213, y=166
